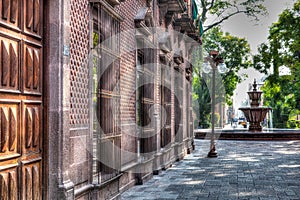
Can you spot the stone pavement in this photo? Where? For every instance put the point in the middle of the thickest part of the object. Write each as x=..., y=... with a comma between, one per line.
x=244, y=170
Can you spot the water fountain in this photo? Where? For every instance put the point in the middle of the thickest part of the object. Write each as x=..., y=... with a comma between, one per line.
x=255, y=114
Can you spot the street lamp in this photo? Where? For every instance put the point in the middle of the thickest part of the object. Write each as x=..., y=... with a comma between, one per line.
x=213, y=62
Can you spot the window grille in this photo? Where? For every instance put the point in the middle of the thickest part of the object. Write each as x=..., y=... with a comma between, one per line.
x=166, y=94
x=178, y=100
x=105, y=76
x=145, y=58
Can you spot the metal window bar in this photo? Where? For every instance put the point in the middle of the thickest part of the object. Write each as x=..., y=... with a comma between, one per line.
x=106, y=95
x=166, y=104
x=145, y=58
x=178, y=106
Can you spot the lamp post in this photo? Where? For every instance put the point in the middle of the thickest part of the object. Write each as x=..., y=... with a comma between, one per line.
x=213, y=62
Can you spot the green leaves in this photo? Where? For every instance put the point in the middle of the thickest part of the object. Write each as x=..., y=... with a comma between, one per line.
x=219, y=7
x=236, y=54
x=282, y=49
x=234, y=50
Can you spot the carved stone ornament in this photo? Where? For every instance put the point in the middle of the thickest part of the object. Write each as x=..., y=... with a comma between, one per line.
x=144, y=20
x=168, y=8
x=164, y=41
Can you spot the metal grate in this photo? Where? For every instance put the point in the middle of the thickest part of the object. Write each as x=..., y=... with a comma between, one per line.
x=178, y=100
x=166, y=104
x=79, y=43
x=106, y=93
x=145, y=58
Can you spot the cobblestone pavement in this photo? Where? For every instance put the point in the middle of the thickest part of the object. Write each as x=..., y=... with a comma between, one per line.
x=244, y=170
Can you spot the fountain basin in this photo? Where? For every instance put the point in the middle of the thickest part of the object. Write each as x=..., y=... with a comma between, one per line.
x=255, y=115
x=244, y=134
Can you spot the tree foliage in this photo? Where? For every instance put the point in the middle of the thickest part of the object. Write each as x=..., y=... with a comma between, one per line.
x=221, y=10
x=201, y=101
x=234, y=50
x=282, y=50
x=236, y=54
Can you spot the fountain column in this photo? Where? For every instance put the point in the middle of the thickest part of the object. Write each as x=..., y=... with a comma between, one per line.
x=255, y=114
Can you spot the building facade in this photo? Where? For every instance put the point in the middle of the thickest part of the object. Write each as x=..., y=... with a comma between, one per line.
x=95, y=95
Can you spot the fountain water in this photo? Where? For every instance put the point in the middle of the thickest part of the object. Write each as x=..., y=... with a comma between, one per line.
x=255, y=114
x=270, y=119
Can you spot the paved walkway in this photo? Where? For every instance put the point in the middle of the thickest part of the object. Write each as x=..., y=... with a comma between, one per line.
x=244, y=170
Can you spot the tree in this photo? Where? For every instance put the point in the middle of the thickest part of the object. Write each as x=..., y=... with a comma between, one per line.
x=221, y=10
x=235, y=50
x=201, y=101
x=283, y=45
x=236, y=54
x=282, y=50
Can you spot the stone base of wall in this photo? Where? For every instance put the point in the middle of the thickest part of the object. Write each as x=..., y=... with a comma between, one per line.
x=109, y=190
x=140, y=172
x=128, y=179
x=157, y=166
x=179, y=151
x=145, y=170
x=168, y=157
x=188, y=145
x=133, y=174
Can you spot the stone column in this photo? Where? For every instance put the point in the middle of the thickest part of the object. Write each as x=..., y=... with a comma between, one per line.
x=57, y=106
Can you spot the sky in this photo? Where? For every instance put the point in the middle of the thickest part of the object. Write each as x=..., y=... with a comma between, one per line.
x=255, y=34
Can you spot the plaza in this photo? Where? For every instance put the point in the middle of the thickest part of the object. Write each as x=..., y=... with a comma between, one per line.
x=98, y=97
x=254, y=170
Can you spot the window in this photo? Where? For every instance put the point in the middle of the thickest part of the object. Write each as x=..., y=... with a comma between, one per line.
x=166, y=95
x=145, y=100
x=178, y=100
x=105, y=98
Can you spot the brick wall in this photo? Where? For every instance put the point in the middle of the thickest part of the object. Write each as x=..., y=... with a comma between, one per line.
x=128, y=10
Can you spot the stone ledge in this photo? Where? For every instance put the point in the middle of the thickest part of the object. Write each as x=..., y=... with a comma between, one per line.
x=245, y=135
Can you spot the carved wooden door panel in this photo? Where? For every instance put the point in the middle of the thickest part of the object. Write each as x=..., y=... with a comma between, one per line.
x=21, y=95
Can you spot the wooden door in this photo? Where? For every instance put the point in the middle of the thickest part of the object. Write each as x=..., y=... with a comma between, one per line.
x=21, y=99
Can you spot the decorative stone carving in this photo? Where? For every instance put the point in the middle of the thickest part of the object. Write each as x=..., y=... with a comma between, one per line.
x=144, y=20
x=178, y=56
x=168, y=8
x=164, y=41
x=186, y=23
